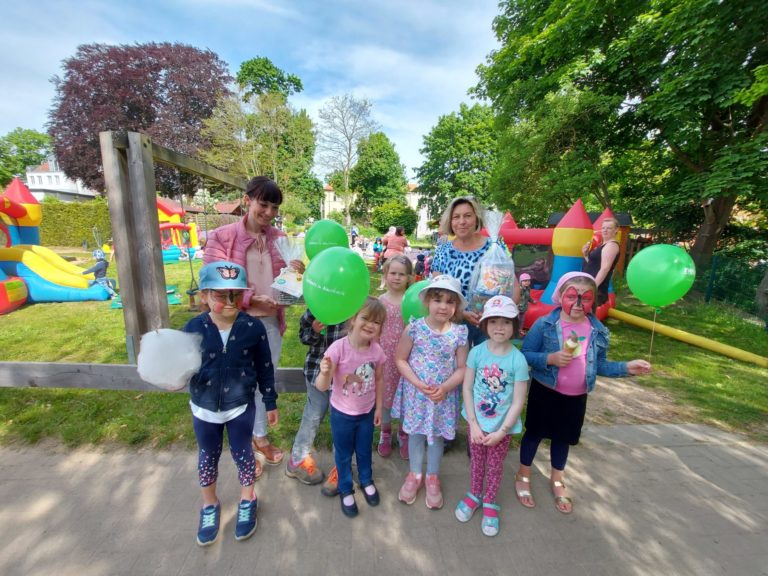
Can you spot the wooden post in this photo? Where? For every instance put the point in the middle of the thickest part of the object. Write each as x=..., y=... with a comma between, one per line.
x=130, y=181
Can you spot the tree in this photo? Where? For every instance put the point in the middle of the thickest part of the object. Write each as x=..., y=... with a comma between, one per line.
x=394, y=213
x=344, y=121
x=18, y=150
x=259, y=76
x=378, y=176
x=460, y=153
x=681, y=90
x=164, y=90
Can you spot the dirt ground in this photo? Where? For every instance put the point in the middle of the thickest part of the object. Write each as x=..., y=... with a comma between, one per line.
x=621, y=401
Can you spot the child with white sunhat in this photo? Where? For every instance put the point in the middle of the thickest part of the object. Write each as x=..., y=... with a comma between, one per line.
x=235, y=359
x=431, y=356
x=494, y=390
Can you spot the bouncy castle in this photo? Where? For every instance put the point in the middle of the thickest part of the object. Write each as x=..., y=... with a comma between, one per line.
x=30, y=272
x=176, y=237
x=566, y=240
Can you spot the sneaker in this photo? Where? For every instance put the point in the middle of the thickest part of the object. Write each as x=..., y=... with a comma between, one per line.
x=385, y=444
x=331, y=485
x=209, y=525
x=305, y=471
x=410, y=488
x=467, y=507
x=246, y=519
x=434, y=498
x=490, y=523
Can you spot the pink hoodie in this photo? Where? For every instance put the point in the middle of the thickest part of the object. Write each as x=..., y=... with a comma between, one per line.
x=231, y=241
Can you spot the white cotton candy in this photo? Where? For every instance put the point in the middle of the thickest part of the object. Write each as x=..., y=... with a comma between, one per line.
x=168, y=358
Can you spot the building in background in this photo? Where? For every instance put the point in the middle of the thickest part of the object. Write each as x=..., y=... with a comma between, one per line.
x=48, y=181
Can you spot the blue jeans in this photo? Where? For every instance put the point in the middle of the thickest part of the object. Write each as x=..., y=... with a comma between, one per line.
x=315, y=410
x=352, y=435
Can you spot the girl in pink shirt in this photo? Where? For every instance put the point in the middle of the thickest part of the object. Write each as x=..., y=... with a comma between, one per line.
x=355, y=363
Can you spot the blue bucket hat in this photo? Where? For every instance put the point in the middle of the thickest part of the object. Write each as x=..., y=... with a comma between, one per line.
x=223, y=276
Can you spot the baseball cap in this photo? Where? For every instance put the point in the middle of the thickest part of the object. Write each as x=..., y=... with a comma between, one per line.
x=499, y=306
x=223, y=276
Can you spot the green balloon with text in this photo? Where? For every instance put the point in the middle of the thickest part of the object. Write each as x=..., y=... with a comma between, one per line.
x=324, y=234
x=335, y=285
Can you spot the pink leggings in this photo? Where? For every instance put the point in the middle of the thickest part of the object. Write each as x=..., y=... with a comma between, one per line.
x=487, y=463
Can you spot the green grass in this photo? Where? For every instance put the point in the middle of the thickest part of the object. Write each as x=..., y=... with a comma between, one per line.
x=725, y=392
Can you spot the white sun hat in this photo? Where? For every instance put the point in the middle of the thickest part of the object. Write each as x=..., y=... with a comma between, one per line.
x=444, y=282
x=500, y=306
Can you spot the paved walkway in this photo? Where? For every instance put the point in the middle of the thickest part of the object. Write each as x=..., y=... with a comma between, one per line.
x=654, y=499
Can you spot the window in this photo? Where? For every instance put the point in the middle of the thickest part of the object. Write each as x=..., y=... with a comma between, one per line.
x=50, y=179
x=57, y=179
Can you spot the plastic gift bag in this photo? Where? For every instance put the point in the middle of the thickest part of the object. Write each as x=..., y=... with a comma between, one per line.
x=288, y=285
x=494, y=273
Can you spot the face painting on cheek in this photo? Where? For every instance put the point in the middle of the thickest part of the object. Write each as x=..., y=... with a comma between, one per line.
x=571, y=298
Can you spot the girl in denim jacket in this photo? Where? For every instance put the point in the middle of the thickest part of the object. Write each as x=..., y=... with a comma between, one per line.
x=566, y=351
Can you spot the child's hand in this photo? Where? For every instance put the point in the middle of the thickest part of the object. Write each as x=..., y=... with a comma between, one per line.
x=637, y=367
x=494, y=438
x=561, y=358
x=436, y=394
x=476, y=433
x=318, y=326
x=377, y=417
x=325, y=366
x=272, y=417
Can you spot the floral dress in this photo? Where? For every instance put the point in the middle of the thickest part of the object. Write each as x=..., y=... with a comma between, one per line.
x=433, y=359
x=390, y=336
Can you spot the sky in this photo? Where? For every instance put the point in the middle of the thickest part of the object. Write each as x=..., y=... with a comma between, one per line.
x=413, y=59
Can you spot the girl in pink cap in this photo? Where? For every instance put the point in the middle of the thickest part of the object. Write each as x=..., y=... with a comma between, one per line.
x=566, y=351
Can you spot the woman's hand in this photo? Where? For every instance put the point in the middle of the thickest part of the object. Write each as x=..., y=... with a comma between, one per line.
x=472, y=318
x=637, y=367
x=585, y=249
x=298, y=265
x=264, y=302
x=561, y=358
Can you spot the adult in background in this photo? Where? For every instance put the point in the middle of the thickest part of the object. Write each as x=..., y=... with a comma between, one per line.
x=600, y=262
x=394, y=245
x=458, y=257
x=250, y=243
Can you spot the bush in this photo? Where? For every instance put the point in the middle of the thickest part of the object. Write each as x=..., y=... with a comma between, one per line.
x=72, y=223
x=336, y=216
x=394, y=213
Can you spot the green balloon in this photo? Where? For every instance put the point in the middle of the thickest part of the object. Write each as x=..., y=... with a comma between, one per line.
x=660, y=274
x=412, y=305
x=324, y=234
x=335, y=285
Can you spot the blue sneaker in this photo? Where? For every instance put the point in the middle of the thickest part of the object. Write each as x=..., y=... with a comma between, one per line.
x=246, y=519
x=209, y=525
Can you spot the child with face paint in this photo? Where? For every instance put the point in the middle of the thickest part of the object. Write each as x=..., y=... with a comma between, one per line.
x=566, y=351
x=235, y=360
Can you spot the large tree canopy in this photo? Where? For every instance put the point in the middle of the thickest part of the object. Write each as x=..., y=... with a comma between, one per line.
x=19, y=149
x=164, y=90
x=460, y=153
x=656, y=105
x=378, y=176
x=259, y=76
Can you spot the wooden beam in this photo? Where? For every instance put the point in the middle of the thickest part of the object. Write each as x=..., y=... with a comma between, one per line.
x=106, y=377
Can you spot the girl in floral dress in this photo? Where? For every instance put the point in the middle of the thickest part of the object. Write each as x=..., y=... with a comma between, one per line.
x=397, y=274
x=431, y=357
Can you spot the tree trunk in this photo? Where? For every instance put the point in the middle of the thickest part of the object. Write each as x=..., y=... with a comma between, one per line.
x=717, y=213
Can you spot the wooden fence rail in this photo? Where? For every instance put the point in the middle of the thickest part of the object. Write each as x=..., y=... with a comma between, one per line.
x=105, y=377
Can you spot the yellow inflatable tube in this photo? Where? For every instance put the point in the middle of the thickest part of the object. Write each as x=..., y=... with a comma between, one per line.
x=689, y=338
x=47, y=264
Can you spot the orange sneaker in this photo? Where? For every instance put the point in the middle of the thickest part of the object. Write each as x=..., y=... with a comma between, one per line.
x=305, y=471
x=331, y=485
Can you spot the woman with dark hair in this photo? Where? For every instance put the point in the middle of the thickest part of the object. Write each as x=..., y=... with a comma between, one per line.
x=250, y=242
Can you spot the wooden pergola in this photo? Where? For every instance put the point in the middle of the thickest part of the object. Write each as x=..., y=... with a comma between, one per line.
x=128, y=160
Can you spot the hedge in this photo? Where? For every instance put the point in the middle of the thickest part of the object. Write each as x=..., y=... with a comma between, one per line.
x=394, y=213
x=74, y=223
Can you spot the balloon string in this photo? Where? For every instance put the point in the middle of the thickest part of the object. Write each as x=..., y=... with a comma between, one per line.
x=653, y=331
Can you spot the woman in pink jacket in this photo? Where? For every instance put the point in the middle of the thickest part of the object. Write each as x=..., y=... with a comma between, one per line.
x=251, y=243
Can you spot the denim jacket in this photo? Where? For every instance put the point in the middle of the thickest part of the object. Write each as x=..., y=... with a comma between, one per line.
x=546, y=336
x=230, y=372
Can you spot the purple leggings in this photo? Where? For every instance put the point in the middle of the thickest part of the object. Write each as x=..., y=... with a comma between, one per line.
x=487, y=463
x=210, y=439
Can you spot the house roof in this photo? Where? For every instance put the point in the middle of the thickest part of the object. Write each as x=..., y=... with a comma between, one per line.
x=231, y=207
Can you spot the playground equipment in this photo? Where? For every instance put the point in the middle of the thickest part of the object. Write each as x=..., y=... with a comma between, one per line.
x=566, y=239
x=175, y=236
x=29, y=272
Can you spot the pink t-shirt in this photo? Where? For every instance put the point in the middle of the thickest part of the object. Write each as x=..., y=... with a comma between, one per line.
x=259, y=270
x=358, y=395
x=572, y=380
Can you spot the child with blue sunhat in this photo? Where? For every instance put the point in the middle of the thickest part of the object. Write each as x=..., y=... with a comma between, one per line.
x=235, y=359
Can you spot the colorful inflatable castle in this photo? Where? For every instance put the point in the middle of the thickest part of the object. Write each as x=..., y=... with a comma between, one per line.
x=29, y=272
x=176, y=237
x=566, y=240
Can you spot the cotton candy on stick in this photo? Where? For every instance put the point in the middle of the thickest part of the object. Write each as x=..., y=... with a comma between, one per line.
x=168, y=358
